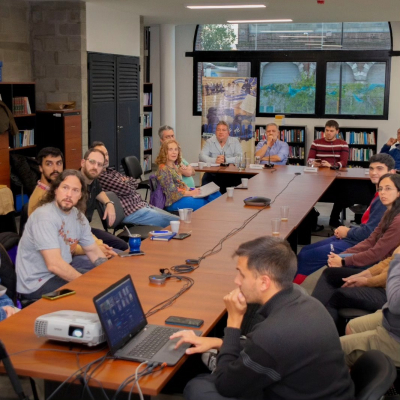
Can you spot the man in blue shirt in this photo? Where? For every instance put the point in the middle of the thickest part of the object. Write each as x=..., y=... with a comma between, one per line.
x=395, y=152
x=271, y=149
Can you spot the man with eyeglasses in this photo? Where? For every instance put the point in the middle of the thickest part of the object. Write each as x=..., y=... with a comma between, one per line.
x=91, y=167
x=136, y=210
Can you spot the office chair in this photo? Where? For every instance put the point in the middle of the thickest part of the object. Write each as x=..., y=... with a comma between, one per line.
x=132, y=168
x=23, y=218
x=142, y=230
x=373, y=374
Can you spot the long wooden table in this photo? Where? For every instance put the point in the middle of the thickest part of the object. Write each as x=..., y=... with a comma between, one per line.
x=213, y=279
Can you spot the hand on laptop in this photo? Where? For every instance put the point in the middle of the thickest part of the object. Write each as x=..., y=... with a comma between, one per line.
x=201, y=344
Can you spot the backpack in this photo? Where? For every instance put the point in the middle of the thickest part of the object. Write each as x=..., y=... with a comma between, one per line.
x=157, y=196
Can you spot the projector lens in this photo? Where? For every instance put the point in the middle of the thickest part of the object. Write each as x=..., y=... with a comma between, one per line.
x=75, y=331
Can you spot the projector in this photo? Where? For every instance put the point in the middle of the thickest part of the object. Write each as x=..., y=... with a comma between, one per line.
x=71, y=326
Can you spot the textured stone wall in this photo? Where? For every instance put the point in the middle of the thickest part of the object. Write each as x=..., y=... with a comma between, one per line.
x=14, y=41
x=59, y=58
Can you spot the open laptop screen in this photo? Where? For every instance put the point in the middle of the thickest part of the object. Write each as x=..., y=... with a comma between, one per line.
x=120, y=313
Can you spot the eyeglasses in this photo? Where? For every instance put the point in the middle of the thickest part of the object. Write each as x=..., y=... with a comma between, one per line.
x=94, y=162
x=386, y=189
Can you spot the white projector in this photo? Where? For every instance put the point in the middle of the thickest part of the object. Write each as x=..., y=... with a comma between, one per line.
x=71, y=326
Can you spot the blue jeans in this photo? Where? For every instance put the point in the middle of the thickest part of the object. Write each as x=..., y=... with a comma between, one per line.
x=190, y=202
x=315, y=256
x=150, y=216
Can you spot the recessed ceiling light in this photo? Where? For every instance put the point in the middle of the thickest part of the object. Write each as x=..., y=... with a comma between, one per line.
x=284, y=31
x=303, y=37
x=324, y=45
x=227, y=6
x=258, y=21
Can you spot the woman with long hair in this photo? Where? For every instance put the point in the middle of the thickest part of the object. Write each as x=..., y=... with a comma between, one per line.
x=178, y=194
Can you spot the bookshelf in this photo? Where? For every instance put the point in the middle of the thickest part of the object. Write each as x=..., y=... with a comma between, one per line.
x=294, y=136
x=362, y=143
x=147, y=126
x=20, y=99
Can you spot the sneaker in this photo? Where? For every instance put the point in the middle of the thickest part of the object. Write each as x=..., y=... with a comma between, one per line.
x=209, y=359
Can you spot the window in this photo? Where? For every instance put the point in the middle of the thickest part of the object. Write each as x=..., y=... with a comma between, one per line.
x=287, y=87
x=303, y=70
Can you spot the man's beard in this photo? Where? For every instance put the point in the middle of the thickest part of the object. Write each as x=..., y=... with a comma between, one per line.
x=51, y=177
x=88, y=175
x=67, y=208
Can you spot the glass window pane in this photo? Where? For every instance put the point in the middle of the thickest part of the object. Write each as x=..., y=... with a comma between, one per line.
x=222, y=69
x=355, y=88
x=287, y=87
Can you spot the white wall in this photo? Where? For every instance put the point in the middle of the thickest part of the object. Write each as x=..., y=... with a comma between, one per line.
x=188, y=127
x=113, y=31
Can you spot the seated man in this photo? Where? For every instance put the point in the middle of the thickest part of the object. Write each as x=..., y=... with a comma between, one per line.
x=332, y=152
x=381, y=330
x=221, y=148
x=186, y=170
x=394, y=152
x=91, y=167
x=271, y=149
x=314, y=256
x=293, y=353
x=136, y=210
x=51, y=162
x=44, y=251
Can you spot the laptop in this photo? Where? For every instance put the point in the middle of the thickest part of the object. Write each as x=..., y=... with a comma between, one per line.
x=128, y=334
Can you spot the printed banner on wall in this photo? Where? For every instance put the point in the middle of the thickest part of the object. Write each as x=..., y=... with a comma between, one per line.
x=232, y=100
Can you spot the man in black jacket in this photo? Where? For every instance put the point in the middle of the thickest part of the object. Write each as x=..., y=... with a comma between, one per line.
x=294, y=353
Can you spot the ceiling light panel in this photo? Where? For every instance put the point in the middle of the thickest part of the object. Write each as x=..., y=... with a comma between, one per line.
x=206, y=7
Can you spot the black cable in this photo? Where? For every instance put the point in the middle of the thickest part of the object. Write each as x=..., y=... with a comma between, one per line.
x=182, y=269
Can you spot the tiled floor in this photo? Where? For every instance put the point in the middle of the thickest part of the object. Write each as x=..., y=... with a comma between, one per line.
x=7, y=393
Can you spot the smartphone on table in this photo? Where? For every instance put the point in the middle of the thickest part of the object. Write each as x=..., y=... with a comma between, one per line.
x=182, y=321
x=57, y=294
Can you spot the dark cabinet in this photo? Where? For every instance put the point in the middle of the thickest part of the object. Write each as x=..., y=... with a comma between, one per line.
x=61, y=129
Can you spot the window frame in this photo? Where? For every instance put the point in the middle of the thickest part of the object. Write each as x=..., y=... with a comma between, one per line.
x=321, y=57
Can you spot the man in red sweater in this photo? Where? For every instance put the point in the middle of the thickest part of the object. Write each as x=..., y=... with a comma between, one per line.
x=331, y=152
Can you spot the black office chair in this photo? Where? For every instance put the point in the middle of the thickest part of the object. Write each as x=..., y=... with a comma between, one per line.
x=23, y=218
x=8, y=275
x=373, y=374
x=142, y=230
x=132, y=168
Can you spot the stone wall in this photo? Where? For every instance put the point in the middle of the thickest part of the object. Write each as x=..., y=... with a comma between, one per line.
x=14, y=41
x=59, y=58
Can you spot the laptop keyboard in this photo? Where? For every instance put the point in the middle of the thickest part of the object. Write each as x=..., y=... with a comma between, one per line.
x=153, y=343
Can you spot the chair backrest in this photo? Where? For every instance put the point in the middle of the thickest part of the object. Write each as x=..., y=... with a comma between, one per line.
x=119, y=211
x=373, y=374
x=23, y=218
x=132, y=167
x=8, y=276
x=157, y=196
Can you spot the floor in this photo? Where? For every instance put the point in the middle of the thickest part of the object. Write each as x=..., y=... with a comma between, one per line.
x=7, y=393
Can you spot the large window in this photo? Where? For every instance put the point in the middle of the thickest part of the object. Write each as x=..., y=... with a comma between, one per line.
x=303, y=70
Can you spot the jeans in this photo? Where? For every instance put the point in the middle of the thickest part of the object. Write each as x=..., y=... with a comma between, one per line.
x=190, y=202
x=315, y=256
x=150, y=216
x=83, y=264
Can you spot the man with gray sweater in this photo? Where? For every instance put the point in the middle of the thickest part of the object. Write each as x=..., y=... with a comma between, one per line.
x=381, y=330
x=293, y=353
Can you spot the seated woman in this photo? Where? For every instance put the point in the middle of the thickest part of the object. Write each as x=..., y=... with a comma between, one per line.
x=382, y=241
x=178, y=194
x=348, y=288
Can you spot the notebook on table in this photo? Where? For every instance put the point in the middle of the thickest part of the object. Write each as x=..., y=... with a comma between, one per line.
x=206, y=190
x=128, y=334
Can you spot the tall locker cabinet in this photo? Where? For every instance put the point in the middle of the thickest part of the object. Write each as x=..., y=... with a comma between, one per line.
x=114, y=104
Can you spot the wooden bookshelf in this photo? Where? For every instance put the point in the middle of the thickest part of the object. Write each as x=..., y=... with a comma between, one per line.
x=147, y=126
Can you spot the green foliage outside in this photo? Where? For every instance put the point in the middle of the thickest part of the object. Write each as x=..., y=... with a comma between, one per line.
x=217, y=37
x=357, y=98
x=297, y=97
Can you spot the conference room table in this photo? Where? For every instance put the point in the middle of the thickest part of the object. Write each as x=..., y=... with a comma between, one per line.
x=38, y=358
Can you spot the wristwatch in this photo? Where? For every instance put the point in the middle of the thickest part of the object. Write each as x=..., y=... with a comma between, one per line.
x=108, y=202
x=343, y=262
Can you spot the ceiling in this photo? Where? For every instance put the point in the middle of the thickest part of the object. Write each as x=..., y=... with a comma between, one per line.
x=174, y=11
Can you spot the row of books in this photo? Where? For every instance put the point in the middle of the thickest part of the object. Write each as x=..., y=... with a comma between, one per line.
x=147, y=120
x=148, y=142
x=24, y=138
x=147, y=162
x=296, y=152
x=321, y=134
x=21, y=106
x=286, y=135
x=360, y=154
x=360, y=138
x=147, y=99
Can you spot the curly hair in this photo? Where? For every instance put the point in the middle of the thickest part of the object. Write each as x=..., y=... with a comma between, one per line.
x=163, y=154
x=51, y=194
